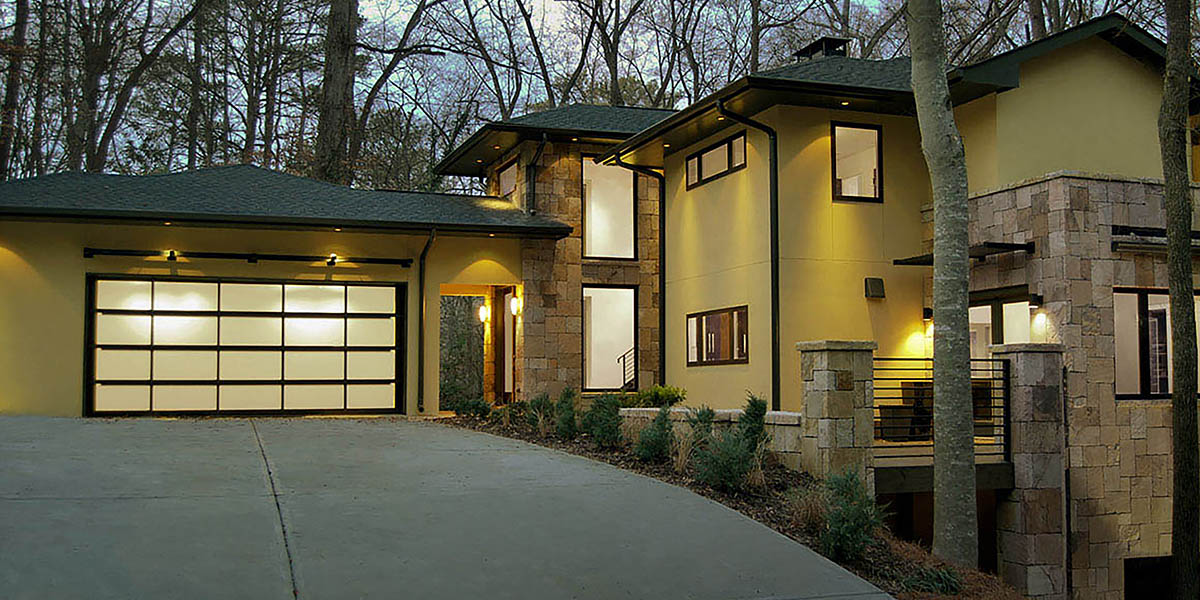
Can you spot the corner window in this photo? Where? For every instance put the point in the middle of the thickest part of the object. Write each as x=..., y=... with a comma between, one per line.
x=609, y=350
x=857, y=162
x=1143, y=348
x=608, y=211
x=716, y=161
x=718, y=337
x=508, y=179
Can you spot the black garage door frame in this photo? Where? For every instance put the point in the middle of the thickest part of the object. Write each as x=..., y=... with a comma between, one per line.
x=90, y=347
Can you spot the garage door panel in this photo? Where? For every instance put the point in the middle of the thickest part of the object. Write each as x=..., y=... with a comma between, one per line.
x=185, y=397
x=122, y=364
x=185, y=364
x=313, y=397
x=185, y=330
x=177, y=344
x=110, y=398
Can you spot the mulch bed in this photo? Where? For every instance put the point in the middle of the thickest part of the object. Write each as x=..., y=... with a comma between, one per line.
x=886, y=565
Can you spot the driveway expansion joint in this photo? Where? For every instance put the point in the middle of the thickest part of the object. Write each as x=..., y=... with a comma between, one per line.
x=278, y=510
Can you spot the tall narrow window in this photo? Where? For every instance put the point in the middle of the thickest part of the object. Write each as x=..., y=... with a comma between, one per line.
x=609, y=352
x=857, y=162
x=717, y=160
x=719, y=337
x=508, y=180
x=608, y=211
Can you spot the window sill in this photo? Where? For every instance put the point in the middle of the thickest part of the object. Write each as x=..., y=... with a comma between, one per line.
x=606, y=259
x=720, y=363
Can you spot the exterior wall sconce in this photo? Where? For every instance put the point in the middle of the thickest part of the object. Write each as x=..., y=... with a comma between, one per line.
x=485, y=313
x=926, y=314
x=171, y=256
x=514, y=305
x=1035, y=301
x=332, y=260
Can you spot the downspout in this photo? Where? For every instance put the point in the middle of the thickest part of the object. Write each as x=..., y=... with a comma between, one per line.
x=773, y=139
x=531, y=178
x=662, y=263
x=421, y=322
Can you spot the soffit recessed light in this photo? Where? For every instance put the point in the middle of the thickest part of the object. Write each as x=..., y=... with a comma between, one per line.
x=666, y=145
x=845, y=103
x=479, y=160
x=720, y=117
x=574, y=139
x=495, y=146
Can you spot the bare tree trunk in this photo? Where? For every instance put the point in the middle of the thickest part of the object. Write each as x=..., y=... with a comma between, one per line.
x=955, y=523
x=1037, y=20
x=1172, y=135
x=755, y=33
x=194, y=108
x=37, y=153
x=336, y=110
x=12, y=87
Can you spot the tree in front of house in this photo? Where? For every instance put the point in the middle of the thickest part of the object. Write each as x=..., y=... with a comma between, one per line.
x=955, y=522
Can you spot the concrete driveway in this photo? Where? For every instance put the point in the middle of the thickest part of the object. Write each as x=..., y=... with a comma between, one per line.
x=340, y=508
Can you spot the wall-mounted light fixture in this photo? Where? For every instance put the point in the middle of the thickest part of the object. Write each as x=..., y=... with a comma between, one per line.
x=332, y=260
x=514, y=305
x=926, y=314
x=485, y=313
x=171, y=255
x=1035, y=301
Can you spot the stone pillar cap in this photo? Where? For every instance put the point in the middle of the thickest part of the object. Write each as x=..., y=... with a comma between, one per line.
x=817, y=345
x=1026, y=347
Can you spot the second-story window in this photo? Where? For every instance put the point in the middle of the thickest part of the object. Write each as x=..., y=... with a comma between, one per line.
x=857, y=162
x=718, y=160
x=508, y=179
x=608, y=211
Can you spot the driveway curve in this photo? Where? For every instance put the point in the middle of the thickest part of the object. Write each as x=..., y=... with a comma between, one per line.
x=364, y=508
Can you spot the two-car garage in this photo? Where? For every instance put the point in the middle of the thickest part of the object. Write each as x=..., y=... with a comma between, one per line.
x=160, y=345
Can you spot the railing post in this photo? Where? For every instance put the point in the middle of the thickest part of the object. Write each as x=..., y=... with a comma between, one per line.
x=1030, y=518
x=838, y=423
x=1006, y=409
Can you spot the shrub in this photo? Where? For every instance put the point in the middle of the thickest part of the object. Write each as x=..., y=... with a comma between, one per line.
x=603, y=421
x=853, y=518
x=507, y=413
x=564, y=415
x=700, y=421
x=541, y=413
x=934, y=580
x=654, y=442
x=809, y=507
x=682, y=448
x=657, y=396
x=724, y=461
x=472, y=408
x=752, y=424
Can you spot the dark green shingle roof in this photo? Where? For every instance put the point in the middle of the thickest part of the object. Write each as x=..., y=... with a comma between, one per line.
x=249, y=195
x=592, y=118
x=892, y=75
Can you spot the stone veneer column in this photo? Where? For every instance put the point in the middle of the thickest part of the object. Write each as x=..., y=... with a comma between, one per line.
x=838, y=428
x=1030, y=518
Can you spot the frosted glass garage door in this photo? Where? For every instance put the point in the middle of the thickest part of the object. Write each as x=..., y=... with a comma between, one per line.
x=216, y=346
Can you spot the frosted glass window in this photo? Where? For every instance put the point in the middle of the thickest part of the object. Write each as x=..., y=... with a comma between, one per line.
x=121, y=397
x=737, y=151
x=251, y=297
x=980, y=331
x=251, y=331
x=608, y=318
x=508, y=180
x=371, y=365
x=176, y=295
x=1125, y=334
x=123, y=295
x=856, y=163
x=608, y=199
x=185, y=397
x=122, y=329
x=693, y=171
x=185, y=330
x=185, y=364
x=371, y=332
x=239, y=365
x=313, y=365
x=714, y=162
x=371, y=396
x=312, y=397
x=122, y=364
x=251, y=397
x=1016, y=323
x=314, y=298
x=301, y=331
x=371, y=299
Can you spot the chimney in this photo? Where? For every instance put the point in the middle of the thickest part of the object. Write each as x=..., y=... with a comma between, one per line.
x=824, y=46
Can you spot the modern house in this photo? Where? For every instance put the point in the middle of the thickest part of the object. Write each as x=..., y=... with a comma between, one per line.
x=773, y=237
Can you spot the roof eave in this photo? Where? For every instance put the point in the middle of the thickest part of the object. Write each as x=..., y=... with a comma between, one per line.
x=450, y=164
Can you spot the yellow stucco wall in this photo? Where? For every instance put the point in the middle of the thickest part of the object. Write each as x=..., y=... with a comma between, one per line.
x=719, y=255
x=42, y=309
x=1086, y=107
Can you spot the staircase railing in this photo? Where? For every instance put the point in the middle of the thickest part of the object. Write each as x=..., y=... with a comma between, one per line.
x=628, y=362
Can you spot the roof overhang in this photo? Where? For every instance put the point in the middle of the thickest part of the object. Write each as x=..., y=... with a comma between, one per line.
x=977, y=252
x=180, y=219
x=494, y=140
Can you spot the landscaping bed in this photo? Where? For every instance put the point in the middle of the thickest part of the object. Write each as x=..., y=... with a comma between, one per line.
x=902, y=569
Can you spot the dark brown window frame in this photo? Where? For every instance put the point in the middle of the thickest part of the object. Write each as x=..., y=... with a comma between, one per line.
x=878, y=129
x=583, y=220
x=1143, y=332
x=699, y=316
x=583, y=336
x=730, y=168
